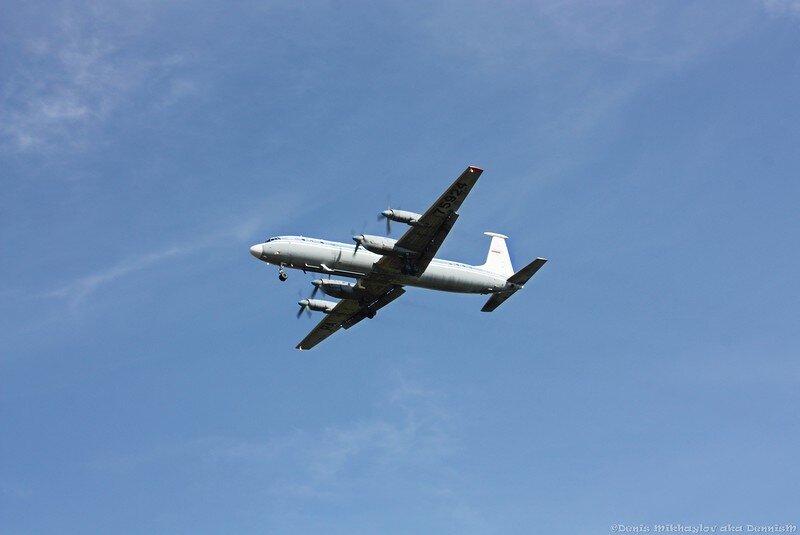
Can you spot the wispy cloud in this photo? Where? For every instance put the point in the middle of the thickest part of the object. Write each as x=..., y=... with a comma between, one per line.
x=665, y=35
x=523, y=36
x=782, y=7
x=74, y=75
x=416, y=433
x=238, y=228
x=13, y=489
x=78, y=290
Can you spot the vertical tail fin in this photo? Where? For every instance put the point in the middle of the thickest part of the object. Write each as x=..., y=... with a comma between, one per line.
x=498, y=261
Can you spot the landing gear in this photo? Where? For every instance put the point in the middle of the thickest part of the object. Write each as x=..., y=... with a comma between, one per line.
x=282, y=276
x=409, y=269
x=371, y=314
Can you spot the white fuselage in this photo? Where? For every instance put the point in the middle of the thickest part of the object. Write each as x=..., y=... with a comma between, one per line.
x=342, y=259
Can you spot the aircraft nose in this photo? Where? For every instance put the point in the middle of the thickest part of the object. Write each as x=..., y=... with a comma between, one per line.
x=257, y=250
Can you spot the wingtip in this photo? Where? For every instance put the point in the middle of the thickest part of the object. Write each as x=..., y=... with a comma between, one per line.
x=475, y=169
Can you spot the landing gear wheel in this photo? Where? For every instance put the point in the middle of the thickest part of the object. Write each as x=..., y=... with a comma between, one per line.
x=282, y=275
x=371, y=314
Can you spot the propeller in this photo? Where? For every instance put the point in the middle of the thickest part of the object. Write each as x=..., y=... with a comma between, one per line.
x=317, y=283
x=386, y=213
x=303, y=306
x=358, y=239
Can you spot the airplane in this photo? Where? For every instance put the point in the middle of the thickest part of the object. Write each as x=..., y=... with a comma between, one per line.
x=383, y=266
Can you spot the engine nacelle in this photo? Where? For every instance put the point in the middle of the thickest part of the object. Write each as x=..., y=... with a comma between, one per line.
x=341, y=289
x=380, y=245
x=317, y=304
x=402, y=216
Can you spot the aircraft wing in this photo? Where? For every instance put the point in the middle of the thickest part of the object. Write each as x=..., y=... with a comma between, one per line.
x=348, y=312
x=425, y=238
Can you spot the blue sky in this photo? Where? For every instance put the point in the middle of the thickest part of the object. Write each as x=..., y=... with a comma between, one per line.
x=649, y=374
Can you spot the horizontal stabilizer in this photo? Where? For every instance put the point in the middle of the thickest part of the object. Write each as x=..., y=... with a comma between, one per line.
x=523, y=275
x=496, y=300
x=519, y=278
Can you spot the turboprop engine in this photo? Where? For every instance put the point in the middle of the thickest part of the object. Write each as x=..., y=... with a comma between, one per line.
x=315, y=304
x=340, y=289
x=380, y=245
x=401, y=216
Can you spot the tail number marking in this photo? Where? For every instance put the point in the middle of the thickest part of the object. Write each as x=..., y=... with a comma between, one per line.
x=452, y=196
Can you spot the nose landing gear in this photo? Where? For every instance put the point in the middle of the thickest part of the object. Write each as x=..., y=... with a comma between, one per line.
x=282, y=276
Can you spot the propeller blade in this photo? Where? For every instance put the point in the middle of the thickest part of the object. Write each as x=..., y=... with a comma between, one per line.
x=303, y=306
x=385, y=214
x=314, y=292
